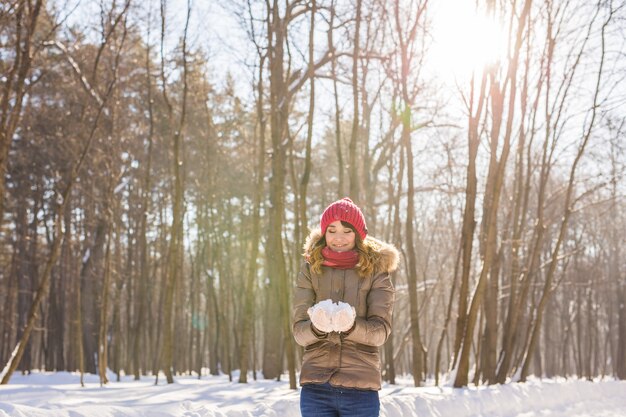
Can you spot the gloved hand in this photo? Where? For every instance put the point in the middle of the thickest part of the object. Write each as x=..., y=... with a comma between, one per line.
x=343, y=317
x=321, y=316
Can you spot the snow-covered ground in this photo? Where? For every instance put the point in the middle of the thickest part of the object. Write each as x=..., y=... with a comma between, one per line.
x=60, y=394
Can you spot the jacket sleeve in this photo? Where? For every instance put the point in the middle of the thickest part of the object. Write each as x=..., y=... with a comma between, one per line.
x=376, y=328
x=303, y=298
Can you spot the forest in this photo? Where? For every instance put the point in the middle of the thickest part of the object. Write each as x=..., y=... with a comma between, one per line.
x=161, y=163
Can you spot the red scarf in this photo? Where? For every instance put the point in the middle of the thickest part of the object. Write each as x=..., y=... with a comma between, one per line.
x=340, y=260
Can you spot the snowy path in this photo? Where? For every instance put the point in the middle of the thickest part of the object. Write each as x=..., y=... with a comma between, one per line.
x=45, y=395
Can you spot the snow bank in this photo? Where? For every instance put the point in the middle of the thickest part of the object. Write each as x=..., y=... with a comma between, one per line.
x=546, y=398
x=60, y=394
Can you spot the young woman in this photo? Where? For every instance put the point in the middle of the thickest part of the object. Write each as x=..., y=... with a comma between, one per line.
x=342, y=311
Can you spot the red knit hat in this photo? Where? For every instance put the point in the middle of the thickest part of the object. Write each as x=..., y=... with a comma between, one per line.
x=344, y=210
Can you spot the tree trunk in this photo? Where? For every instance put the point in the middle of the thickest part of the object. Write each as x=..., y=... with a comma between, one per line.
x=24, y=279
x=620, y=366
x=354, y=136
x=444, y=331
x=306, y=175
x=176, y=234
x=60, y=291
x=251, y=271
x=104, y=307
x=277, y=288
x=617, y=278
x=338, y=142
x=416, y=347
x=89, y=295
x=490, y=335
x=144, y=265
x=395, y=195
x=469, y=222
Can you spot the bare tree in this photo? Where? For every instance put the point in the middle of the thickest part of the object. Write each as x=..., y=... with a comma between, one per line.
x=492, y=200
x=549, y=284
x=25, y=15
x=408, y=43
x=176, y=233
x=44, y=282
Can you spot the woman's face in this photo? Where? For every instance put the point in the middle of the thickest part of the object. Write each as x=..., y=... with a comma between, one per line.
x=339, y=238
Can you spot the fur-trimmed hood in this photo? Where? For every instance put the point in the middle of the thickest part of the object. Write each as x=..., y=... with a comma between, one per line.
x=384, y=255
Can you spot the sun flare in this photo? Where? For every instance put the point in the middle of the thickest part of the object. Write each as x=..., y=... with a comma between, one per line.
x=466, y=39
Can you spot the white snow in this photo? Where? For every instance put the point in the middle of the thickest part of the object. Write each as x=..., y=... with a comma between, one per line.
x=59, y=394
x=86, y=256
x=341, y=315
x=332, y=308
x=8, y=364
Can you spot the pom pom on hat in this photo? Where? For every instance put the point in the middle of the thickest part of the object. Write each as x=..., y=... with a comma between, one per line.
x=344, y=210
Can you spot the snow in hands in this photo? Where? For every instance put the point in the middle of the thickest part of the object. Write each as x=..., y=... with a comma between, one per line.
x=328, y=317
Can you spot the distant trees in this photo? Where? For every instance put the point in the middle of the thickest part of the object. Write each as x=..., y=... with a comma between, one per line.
x=537, y=265
x=20, y=24
x=154, y=207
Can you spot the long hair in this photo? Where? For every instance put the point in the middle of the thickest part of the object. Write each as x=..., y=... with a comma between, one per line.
x=367, y=258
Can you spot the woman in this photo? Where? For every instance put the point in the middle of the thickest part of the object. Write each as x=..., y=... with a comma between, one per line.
x=342, y=311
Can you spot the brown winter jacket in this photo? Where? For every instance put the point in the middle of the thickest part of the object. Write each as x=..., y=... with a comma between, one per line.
x=346, y=360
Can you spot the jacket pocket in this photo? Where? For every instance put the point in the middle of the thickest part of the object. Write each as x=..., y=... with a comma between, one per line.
x=313, y=353
x=368, y=355
x=314, y=346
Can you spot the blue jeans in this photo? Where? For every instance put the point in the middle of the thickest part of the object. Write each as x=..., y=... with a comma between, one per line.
x=324, y=400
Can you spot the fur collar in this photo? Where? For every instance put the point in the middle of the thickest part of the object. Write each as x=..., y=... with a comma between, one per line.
x=384, y=255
